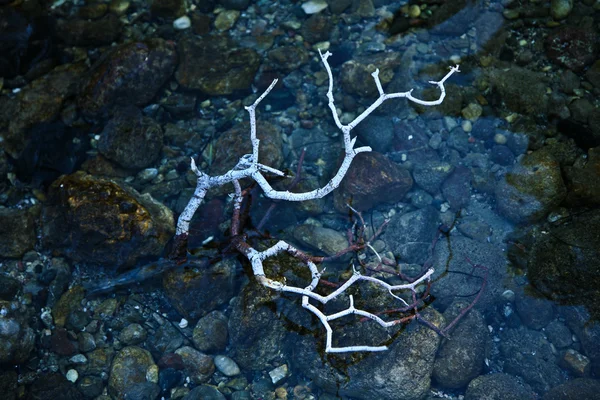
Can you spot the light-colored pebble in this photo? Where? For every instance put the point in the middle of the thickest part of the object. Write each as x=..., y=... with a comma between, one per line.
x=278, y=374
x=72, y=375
x=227, y=366
x=182, y=23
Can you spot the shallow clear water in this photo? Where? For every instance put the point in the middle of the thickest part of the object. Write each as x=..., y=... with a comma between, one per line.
x=484, y=207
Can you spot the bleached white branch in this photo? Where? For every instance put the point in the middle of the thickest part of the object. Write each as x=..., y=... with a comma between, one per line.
x=249, y=167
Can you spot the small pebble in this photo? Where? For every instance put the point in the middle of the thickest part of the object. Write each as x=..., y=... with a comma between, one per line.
x=500, y=138
x=72, y=375
x=182, y=23
x=183, y=323
x=226, y=365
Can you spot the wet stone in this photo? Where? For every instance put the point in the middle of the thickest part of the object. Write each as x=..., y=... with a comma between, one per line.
x=581, y=388
x=210, y=333
x=131, y=140
x=372, y=179
x=133, y=334
x=456, y=189
x=130, y=366
x=86, y=342
x=168, y=8
x=431, y=174
x=536, y=365
x=226, y=366
x=462, y=359
x=37, y=103
x=576, y=363
x=204, y=392
x=9, y=287
x=237, y=66
x=411, y=234
x=498, y=386
x=90, y=386
x=535, y=313
x=169, y=378
x=142, y=391
x=17, y=231
x=198, y=366
x=522, y=90
x=81, y=32
x=131, y=71
x=194, y=293
x=54, y=386
x=572, y=47
x=107, y=223
x=531, y=188
x=502, y=155
x=401, y=372
x=329, y=241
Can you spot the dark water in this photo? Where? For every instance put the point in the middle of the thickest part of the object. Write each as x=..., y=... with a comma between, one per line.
x=497, y=189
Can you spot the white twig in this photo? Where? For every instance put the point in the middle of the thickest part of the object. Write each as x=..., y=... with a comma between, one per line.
x=249, y=167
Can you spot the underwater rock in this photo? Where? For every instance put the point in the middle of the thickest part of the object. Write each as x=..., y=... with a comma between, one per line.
x=131, y=139
x=318, y=238
x=583, y=183
x=455, y=277
x=457, y=188
x=17, y=230
x=168, y=8
x=410, y=235
x=100, y=221
x=499, y=386
x=195, y=292
x=39, y=102
x=534, y=313
x=198, y=366
x=216, y=65
x=130, y=74
x=431, y=174
x=522, y=90
x=316, y=28
x=562, y=264
x=256, y=329
x=130, y=366
x=529, y=355
x=17, y=339
x=210, y=333
x=82, y=32
x=572, y=47
x=461, y=358
x=372, y=179
x=53, y=386
x=234, y=143
x=403, y=372
x=531, y=188
x=356, y=74
x=581, y=388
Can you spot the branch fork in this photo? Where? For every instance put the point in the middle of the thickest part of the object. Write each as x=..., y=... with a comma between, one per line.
x=249, y=167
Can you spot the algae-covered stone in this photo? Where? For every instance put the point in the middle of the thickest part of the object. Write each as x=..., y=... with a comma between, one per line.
x=215, y=65
x=17, y=230
x=196, y=292
x=130, y=366
x=522, y=91
x=531, y=189
x=401, y=372
x=130, y=74
x=99, y=220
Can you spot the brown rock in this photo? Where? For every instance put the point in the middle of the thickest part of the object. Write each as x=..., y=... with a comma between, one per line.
x=372, y=179
x=216, y=65
x=130, y=74
x=101, y=221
